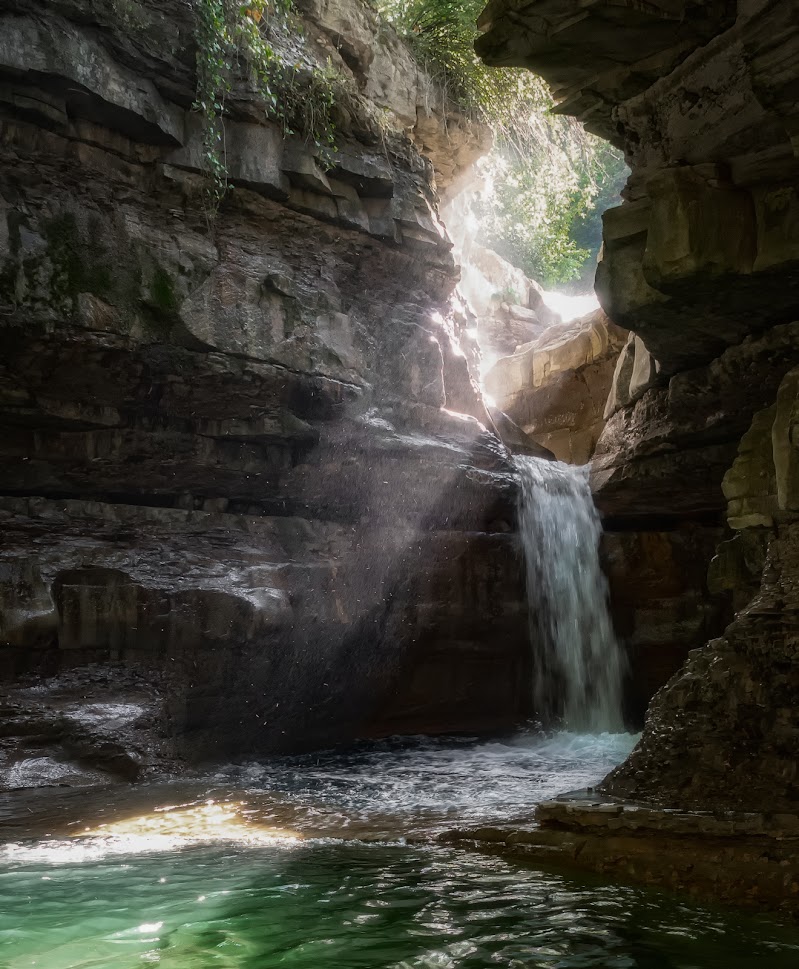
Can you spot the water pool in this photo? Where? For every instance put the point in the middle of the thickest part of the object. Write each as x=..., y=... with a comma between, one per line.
x=327, y=860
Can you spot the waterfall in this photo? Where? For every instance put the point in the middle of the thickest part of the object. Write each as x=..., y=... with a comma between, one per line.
x=579, y=665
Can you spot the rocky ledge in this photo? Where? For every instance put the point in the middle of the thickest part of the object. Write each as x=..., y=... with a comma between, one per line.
x=556, y=385
x=748, y=860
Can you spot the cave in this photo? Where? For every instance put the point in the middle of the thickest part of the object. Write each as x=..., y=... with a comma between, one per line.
x=383, y=584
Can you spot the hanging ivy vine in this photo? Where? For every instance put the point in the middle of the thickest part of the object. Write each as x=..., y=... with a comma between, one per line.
x=299, y=95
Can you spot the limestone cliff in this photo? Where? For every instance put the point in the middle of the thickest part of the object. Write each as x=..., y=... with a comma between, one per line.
x=700, y=262
x=240, y=457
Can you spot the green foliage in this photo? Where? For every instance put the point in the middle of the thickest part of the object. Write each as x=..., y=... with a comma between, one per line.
x=299, y=95
x=307, y=104
x=548, y=179
x=544, y=213
x=507, y=295
x=213, y=85
x=441, y=34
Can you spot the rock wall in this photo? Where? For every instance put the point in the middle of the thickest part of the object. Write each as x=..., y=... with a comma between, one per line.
x=739, y=694
x=556, y=387
x=662, y=601
x=242, y=457
x=701, y=263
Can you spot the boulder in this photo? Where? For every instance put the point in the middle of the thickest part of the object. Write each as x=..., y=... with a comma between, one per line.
x=515, y=439
x=556, y=387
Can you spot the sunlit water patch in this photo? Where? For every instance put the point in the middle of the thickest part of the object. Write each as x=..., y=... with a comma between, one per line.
x=392, y=790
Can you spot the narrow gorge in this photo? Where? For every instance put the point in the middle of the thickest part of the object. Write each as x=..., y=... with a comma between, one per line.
x=365, y=602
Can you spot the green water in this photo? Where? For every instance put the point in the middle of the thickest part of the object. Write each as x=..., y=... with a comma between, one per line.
x=347, y=904
x=354, y=905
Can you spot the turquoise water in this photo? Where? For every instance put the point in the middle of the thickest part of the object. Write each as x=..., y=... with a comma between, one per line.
x=353, y=905
x=203, y=892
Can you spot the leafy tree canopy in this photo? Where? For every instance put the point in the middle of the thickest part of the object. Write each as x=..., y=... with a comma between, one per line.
x=548, y=181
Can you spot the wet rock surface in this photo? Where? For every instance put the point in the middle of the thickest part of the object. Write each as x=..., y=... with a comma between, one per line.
x=737, y=693
x=744, y=859
x=89, y=725
x=663, y=604
x=231, y=462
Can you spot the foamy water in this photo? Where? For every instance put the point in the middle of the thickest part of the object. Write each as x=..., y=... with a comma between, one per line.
x=436, y=782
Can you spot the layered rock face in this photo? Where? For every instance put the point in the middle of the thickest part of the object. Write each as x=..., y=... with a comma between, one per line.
x=239, y=456
x=556, y=386
x=701, y=262
x=725, y=728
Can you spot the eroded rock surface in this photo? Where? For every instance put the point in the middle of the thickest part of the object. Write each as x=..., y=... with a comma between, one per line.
x=230, y=452
x=699, y=96
x=91, y=725
x=746, y=859
x=700, y=263
x=662, y=602
x=556, y=386
x=724, y=728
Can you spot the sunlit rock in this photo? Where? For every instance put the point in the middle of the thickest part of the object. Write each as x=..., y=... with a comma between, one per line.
x=700, y=263
x=556, y=387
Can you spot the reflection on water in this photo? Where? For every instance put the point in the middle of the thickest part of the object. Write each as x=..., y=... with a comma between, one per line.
x=261, y=877
x=353, y=906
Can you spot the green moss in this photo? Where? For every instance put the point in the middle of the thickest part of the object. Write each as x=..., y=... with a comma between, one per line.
x=161, y=305
x=100, y=280
x=8, y=285
x=162, y=292
x=69, y=272
x=9, y=271
x=130, y=14
x=78, y=266
x=10, y=267
x=63, y=243
x=15, y=220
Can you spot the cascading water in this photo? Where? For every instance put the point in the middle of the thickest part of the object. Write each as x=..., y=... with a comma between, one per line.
x=579, y=665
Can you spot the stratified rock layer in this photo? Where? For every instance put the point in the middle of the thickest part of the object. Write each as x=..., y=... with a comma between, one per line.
x=701, y=262
x=556, y=387
x=725, y=727
x=224, y=448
